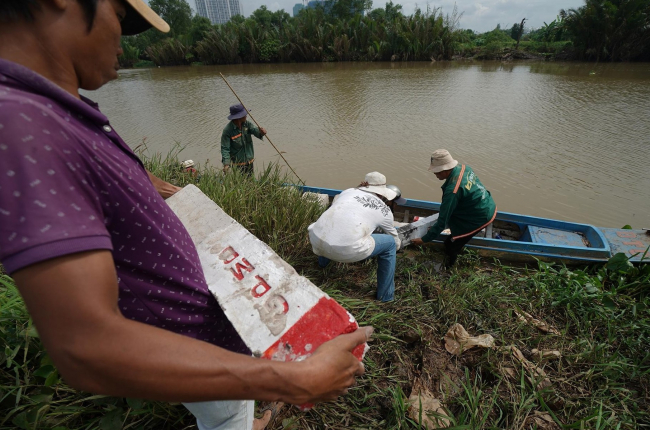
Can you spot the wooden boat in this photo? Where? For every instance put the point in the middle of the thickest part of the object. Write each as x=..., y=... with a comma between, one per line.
x=525, y=238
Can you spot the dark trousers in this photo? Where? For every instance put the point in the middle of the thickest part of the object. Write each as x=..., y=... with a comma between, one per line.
x=246, y=169
x=453, y=248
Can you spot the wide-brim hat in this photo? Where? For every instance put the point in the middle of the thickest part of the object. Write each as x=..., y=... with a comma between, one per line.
x=441, y=160
x=237, y=111
x=140, y=17
x=376, y=183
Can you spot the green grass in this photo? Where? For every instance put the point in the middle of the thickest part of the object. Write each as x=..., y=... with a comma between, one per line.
x=497, y=49
x=144, y=64
x=602, y=380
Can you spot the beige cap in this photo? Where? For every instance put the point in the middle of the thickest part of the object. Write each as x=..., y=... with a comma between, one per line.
x=375, y=182
x=441, y=160
x=140, y=17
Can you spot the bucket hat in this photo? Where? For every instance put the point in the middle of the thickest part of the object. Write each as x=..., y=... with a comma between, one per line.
x=237, y=111
x=140, y=17
x=375, y=182
x=441, y=160
x=187, y=164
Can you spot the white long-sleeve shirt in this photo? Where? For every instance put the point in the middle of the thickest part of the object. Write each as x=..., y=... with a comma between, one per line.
x=343, y=232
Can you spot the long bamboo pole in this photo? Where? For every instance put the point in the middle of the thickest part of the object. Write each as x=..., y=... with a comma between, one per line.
x=258, y=126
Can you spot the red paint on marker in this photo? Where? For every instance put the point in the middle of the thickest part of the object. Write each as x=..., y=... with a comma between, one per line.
x=324, y=321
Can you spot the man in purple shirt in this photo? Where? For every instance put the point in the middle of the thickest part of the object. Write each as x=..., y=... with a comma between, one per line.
x=110, y=276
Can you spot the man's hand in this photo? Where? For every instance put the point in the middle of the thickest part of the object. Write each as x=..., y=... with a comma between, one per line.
x=165, y=189
x=332, y=370
x=263, y=131
x=417, y=241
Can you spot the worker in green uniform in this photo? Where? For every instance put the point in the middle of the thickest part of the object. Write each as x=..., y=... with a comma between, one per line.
x=236, y=142
x=467, y=207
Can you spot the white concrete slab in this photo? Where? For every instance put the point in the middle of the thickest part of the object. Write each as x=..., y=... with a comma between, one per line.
x=416, y=229
x=278, y=313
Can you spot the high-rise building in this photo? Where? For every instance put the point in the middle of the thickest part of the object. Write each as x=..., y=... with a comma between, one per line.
x=218, y=11
x=297, y=8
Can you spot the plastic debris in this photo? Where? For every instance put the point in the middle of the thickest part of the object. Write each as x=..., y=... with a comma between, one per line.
x=423, y=405
x=542, y=421
x=458, y=340
x=535, y=374
x=543, y=355
x=541, y=325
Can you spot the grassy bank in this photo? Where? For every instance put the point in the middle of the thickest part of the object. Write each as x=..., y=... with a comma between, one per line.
x=602, y=314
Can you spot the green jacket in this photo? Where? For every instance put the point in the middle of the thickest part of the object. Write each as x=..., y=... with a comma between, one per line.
x=466, y=205
x=237, y=144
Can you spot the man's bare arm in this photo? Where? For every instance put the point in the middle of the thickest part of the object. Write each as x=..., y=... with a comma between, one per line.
x=73, y=302
x=165, y=189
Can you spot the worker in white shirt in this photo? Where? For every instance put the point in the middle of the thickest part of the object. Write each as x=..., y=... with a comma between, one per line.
x=344, y=233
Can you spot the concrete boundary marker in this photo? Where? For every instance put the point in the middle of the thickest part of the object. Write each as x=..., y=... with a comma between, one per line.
x=279, y=314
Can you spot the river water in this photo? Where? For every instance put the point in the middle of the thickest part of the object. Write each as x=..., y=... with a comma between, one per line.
x=568, y=141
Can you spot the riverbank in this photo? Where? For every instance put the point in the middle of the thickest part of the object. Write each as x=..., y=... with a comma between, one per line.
x=601, y=315
x=528, y=50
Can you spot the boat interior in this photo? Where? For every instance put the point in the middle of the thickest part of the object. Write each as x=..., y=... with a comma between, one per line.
x=520, y=231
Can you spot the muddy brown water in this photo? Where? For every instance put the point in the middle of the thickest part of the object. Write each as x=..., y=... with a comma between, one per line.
x=569, y=141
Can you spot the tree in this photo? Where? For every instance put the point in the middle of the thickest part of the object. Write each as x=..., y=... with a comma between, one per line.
x=280, y=18
x=199, y=28
x=393, y=11
x=346, y=9
x=177, y=13
x=616, y=30
x=516, y=31
x=263, y=16
x=378, y=15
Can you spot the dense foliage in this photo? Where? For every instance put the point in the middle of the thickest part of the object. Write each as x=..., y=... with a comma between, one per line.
x=319, y=34
x=616, y=30
x=337, y=30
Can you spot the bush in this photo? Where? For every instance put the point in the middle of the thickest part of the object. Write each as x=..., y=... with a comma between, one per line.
x=130, y=56
x=170, y=52
x=144, y=64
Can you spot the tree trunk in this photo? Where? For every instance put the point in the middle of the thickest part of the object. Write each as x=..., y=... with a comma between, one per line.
x=521, y=32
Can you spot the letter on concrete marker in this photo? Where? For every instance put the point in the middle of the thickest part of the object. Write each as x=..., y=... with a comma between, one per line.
x=237, y=270
x=262, y=283
x=228, y=255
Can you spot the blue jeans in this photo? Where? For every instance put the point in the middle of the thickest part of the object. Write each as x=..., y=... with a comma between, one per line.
x=223, y=415
x=385, y=251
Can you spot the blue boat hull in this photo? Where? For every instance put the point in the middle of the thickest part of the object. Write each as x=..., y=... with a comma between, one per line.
x=532, y=238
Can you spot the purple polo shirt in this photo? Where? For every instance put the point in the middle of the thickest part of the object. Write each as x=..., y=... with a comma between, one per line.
x=69, y=183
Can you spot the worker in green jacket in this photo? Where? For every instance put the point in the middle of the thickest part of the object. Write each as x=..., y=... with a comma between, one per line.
x=236, y=142
x=467, y=207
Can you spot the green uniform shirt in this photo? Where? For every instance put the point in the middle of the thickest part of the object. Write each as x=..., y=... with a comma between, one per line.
x=237, y=144
x=466, y=205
